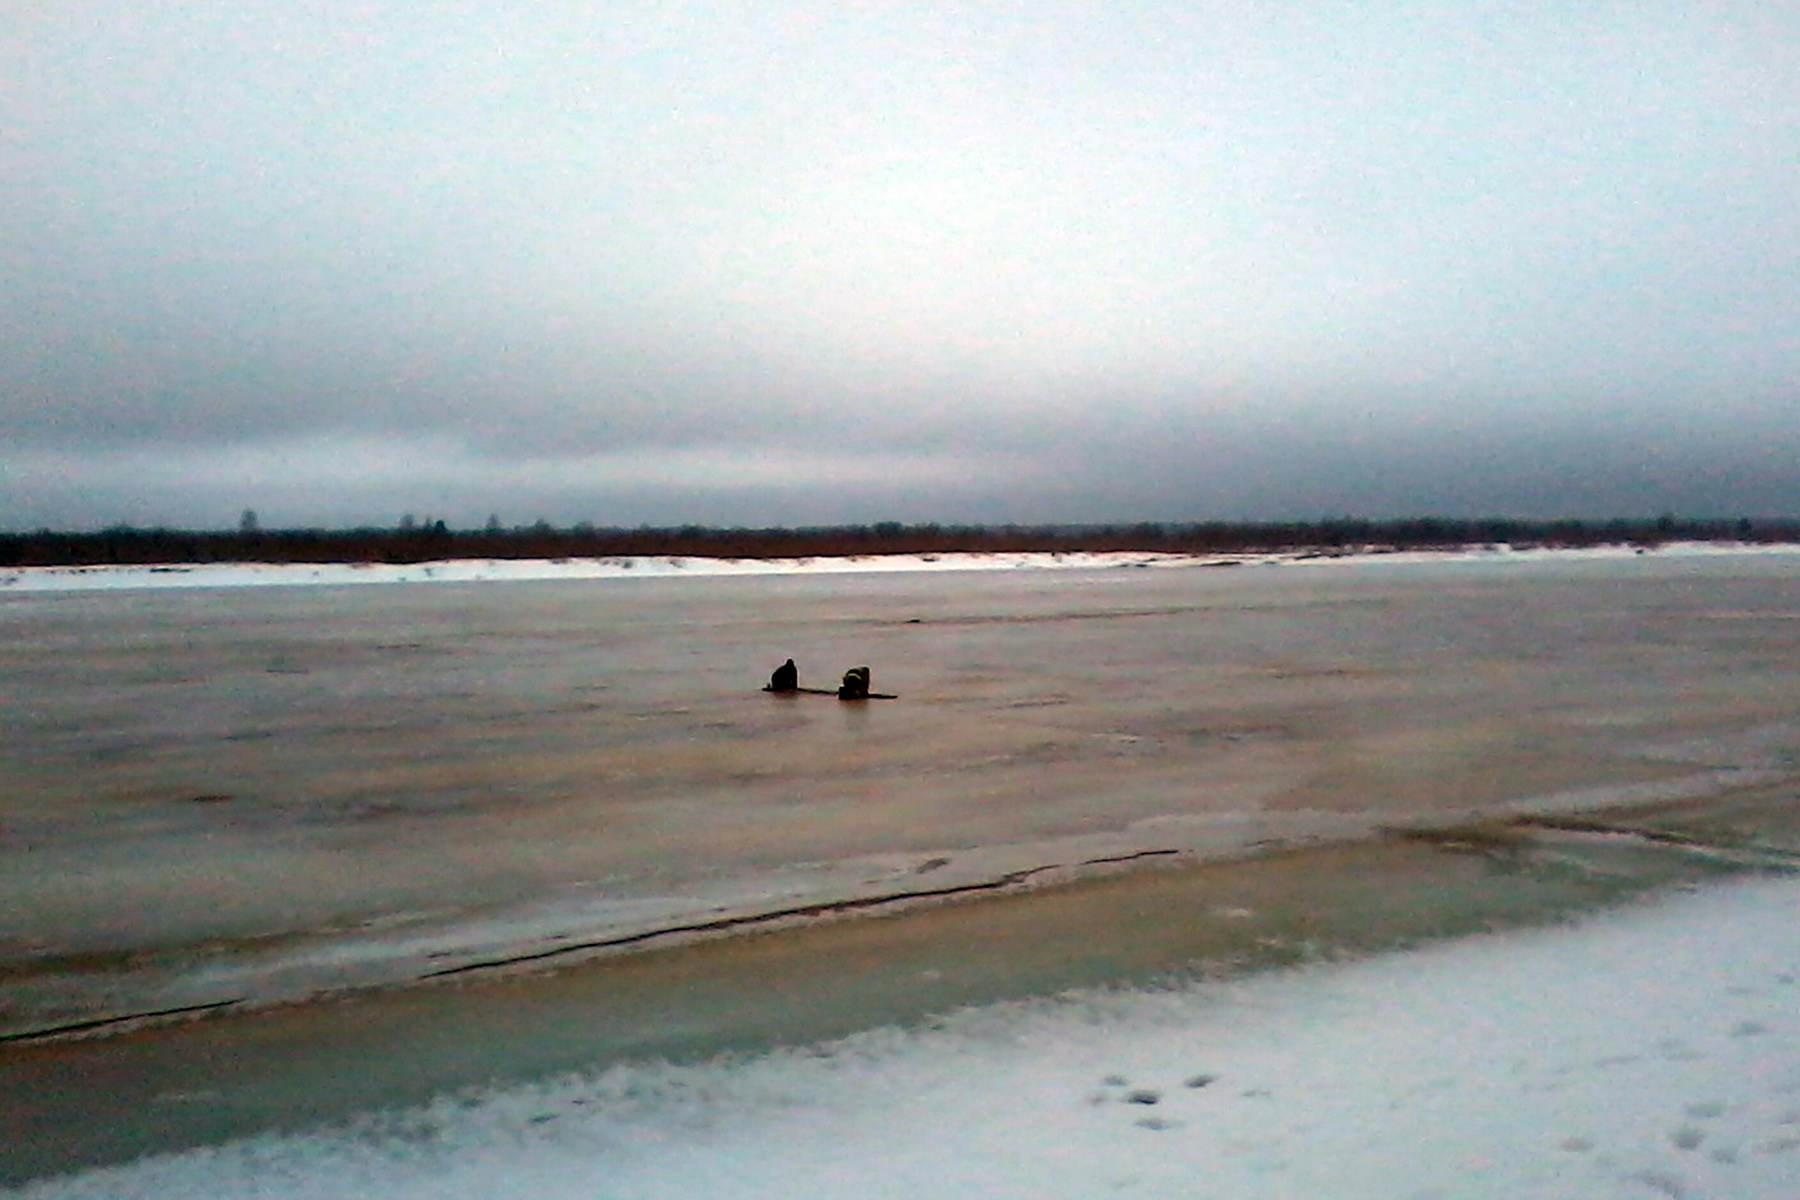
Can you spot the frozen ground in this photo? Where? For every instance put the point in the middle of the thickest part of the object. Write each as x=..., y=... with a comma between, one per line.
x=1650, y=1053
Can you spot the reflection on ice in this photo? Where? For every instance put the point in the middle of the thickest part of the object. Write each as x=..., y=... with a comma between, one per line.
x=1649, y=1052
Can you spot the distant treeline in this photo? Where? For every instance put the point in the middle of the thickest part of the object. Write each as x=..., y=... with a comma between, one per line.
x=421, y=542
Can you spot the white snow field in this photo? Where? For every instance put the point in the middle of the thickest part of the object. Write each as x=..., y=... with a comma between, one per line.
x=212, y=575
x=1647, y=1052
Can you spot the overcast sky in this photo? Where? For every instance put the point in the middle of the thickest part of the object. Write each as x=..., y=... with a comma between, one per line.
x=795, y=263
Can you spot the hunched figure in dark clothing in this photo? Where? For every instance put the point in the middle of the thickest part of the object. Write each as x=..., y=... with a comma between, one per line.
x=855, y=685
x=786, y=677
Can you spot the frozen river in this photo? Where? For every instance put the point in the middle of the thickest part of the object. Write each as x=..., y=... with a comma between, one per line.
x=211, y=795
x=228, y=796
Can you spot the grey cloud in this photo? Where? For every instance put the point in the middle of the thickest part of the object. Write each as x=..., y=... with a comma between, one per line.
x=1152, y=261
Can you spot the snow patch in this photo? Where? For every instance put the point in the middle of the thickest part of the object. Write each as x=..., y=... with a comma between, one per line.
x=221, y=575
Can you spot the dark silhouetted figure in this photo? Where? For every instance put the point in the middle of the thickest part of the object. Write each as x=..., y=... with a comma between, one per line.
x=786, y=677
x=855, y=685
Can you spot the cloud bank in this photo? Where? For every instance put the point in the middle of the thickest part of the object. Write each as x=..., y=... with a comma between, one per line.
x=797, y=263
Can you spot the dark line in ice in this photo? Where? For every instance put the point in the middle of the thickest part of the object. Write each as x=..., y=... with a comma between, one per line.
x=821, y=908
x=1122, y=858
x=722, y=923
x=102, y=1022
x=781, y=914
x=1669, y=837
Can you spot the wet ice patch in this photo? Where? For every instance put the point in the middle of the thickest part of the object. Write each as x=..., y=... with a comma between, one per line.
x=1606, y=1060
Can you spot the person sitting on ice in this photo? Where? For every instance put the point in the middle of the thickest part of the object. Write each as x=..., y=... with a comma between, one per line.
x=855, y=685
x=786, y=678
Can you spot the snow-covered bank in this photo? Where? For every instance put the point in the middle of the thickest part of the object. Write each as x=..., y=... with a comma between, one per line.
x=214, y=575
x=1651, y=1052
x=194, y=575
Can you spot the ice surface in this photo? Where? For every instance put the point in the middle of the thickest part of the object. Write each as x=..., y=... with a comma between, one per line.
x=1653, y=1052
x=238, y=794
